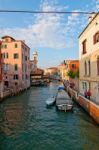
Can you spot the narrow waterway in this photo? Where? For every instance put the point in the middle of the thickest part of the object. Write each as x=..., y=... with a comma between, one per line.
x=26, y=124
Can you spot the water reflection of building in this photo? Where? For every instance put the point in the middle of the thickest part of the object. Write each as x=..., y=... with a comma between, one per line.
x=12, y=118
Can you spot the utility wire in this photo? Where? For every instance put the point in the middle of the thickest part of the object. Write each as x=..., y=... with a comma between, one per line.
x=47, y=12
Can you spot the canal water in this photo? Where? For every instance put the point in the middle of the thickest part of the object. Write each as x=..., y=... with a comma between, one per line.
x=26, y=124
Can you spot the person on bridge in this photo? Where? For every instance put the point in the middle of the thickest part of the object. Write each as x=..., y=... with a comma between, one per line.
x=85, y=93
x=88, y=94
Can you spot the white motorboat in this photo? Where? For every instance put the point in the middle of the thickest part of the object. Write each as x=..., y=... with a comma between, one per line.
x=63, y=101
x=50, y=101
x=65, y=107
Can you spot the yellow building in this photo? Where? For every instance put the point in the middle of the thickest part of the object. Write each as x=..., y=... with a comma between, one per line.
x=63, y=71
x=89, y=58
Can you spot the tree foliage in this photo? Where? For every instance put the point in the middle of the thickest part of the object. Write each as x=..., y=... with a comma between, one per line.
x=73, y=75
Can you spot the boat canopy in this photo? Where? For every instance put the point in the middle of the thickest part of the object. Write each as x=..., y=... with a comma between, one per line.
x=61, y=88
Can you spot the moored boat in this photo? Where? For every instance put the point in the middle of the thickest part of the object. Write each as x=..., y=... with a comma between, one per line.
x=65, y=107
x=50, y=101
x=63, y=101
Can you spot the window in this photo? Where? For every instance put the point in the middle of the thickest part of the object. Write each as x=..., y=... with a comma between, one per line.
x=73, y=65
x=16, y=55
x=3, y=55
x=84, y=47
x=5, y=46
x=6, y=55
x=16, y=45
x=5, y=67
x=84, y=85
x=6, y=83
x=98, y=65
x=89, y=67
x=96, y=38
x=22, y=76
x=26, y=76
x=15, y=77
x=15, y=67
x=85, y=66
x=25, y=58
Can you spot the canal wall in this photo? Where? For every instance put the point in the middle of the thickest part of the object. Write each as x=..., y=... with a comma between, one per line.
x=10, y=93
x=88, y=105
x=4, y=94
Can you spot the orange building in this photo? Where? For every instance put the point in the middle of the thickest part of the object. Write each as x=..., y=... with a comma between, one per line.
x=72, y=66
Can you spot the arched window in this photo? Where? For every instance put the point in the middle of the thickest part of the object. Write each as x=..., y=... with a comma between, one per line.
x=98, y=65
x=96, y=38
x=89, y=67
x=84, y=51
x=85, y=66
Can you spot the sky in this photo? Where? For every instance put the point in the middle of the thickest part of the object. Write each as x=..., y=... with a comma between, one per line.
x=53, y=36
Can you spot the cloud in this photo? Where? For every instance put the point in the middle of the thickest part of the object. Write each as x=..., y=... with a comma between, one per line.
x=45, y=31
x=49, y=30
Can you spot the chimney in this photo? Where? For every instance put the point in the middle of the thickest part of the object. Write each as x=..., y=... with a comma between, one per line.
x=91, y=17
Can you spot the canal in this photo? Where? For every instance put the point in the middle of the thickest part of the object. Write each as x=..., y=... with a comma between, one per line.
x=26, y=124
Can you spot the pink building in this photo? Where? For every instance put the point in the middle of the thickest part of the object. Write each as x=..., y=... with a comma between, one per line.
x=16, y=70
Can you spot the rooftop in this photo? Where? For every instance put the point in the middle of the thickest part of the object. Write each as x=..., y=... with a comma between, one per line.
x=89, y=24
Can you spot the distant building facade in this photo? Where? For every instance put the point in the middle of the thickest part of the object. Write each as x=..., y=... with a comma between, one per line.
x=52, y=72
x=16, y=68
x=89, y=59
x=63, y=71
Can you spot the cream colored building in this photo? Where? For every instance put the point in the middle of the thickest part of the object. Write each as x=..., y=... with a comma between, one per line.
x=16, y=68
x=89, y=58
x=63, y=71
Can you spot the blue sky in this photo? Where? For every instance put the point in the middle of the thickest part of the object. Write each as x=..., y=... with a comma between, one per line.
x=54, y=36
